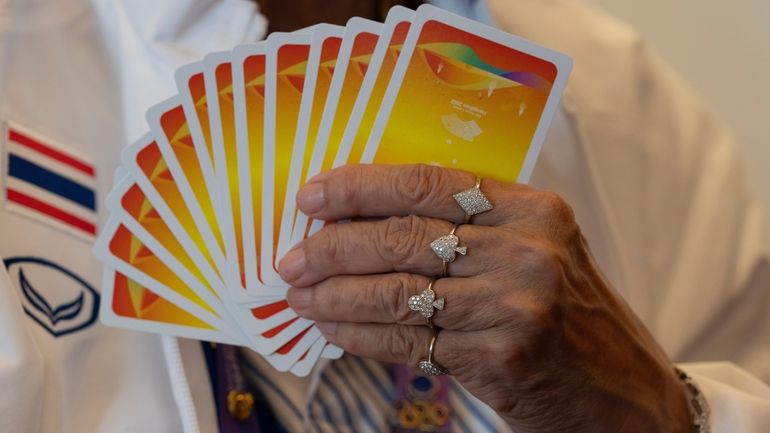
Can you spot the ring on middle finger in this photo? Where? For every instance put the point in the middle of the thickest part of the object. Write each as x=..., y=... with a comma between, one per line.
x=447, y=247
x=426, y=303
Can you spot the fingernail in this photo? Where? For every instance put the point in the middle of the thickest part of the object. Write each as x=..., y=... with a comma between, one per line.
x=298, y=298
x=292, y=266
x=319, y=177
x=327, y=328
x=311, y=198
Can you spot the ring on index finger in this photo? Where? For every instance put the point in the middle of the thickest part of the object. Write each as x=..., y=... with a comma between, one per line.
x=473, y=201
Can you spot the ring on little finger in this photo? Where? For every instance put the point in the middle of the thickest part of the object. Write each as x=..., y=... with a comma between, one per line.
x=429, y=366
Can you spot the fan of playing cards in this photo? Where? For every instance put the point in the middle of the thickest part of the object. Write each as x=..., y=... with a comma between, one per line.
x=203, y=207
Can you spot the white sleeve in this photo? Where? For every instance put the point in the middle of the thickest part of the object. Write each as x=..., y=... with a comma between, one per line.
x=21, y=366
x=739, y=402
x=146, y=49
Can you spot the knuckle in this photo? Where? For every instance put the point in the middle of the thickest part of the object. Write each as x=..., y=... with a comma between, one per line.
x=327, y=300
x=348, y=183
x=510, y=355
x=533, y=332
x=401, y=342
x=544, y=319
x=408, y=341
x=402, y=238
x=326, y=246
x=509, y=205
x=514, y=200
x=355, y=343
x=419, y=183
x=540, y=261
x=394, y=294
x=488, y=311
x=547, y=260
x=554, y=208
x=504, y=354
x=544, y=330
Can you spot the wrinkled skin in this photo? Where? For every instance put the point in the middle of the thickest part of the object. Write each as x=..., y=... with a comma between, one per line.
x=530, y=326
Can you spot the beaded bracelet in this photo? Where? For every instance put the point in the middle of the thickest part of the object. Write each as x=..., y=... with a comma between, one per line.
x=699, y=407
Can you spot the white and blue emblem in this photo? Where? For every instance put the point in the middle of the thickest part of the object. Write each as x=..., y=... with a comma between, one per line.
x=53, y=296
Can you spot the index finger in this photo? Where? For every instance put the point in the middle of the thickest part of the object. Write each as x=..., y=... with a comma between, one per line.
x=394, y=190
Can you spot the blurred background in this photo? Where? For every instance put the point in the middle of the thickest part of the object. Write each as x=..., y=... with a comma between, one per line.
x=723, y=48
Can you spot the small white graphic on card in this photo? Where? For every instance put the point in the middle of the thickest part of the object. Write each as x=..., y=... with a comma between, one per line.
x=467, y=130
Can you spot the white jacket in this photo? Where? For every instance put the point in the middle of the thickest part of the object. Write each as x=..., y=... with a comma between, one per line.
x=652, y=176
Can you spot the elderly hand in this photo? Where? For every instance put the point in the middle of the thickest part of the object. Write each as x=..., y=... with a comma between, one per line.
x=530, y=326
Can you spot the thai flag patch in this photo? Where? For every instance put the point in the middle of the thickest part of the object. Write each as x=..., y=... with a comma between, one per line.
x=49, y=182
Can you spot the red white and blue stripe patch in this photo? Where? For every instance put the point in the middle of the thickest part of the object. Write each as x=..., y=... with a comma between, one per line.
x=49, y=182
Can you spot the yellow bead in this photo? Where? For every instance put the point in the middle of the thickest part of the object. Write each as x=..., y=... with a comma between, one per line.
x=240, y=404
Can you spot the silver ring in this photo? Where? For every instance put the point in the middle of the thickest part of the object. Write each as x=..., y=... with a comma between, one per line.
x=426, y=303
x=473, y=201
x=429, y=366
x=447, y=247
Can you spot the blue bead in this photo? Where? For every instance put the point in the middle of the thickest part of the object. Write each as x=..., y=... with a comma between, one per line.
x=422, y=384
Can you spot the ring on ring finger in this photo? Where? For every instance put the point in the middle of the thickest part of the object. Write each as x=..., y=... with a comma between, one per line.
x=426, y=303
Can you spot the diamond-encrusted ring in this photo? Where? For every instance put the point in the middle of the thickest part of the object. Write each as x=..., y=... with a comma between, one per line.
x=429, y=366
x=473, y=201
x=446, y=248
x=426, y=303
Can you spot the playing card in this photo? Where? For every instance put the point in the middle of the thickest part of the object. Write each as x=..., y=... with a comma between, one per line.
x=192, y=91
x=286, y=356
x=264, y=311
x=249, y=106
x=360, y=40
x=305, y=363
x=282, y=339
x=378, y=75
x=483, y=97
x=286, y=64
x=284, y=344
x=218, y=79
x=121, y=250
x=168, y=122
x=331, y=351
x=322, y=61
x=264, y=319
x=129, y=205
x=130, y=305
x=148, y=168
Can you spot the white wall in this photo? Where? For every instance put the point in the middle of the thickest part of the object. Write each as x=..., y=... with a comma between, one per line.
x=723, y=48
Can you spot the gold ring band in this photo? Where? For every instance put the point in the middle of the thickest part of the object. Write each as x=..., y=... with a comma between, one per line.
x=429, y=366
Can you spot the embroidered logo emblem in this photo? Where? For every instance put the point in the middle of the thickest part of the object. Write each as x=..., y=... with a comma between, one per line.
x=49, y=182
x=53, y=296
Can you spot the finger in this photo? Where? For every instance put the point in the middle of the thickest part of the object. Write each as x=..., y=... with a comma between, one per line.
x=404, y=344
x=400, y=244
x=388, y=190
x=468, y=304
